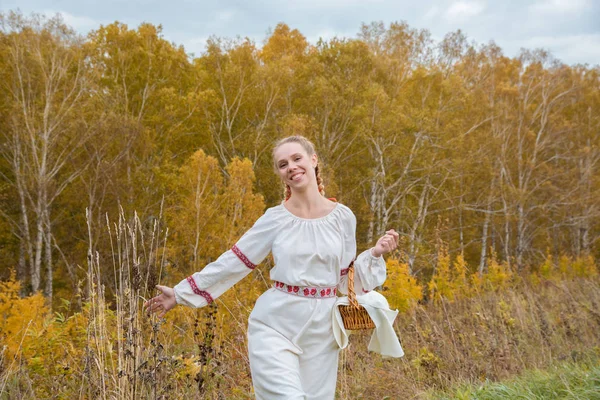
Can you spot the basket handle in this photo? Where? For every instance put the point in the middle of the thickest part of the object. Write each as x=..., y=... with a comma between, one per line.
x=351, y=294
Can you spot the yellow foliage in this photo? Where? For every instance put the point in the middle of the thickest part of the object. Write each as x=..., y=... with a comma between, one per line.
x=497, y=276
x=57, y=347
x=285, y=45
x=450, y=280
x=209, y=212
x=402, y=289
x=193, y=208
x=568, y=268
x=49, y=346
x=563, y=265
x=476, y=281
x=544, y=271
x=427, y=361
x=188, y=367
x=241, y=207
x=534, y=278
x=460, y=271
x=440, y=285
x=506, y=313
x=584, y=267
x=21, y=319
x=547, y=267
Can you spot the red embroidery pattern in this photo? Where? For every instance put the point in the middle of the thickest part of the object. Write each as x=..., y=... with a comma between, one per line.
x=344, y=271
x=306, y=291
x=199, y=292
x=242, y=257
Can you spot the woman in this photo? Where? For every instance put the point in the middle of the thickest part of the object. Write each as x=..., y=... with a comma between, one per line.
x=292, y=351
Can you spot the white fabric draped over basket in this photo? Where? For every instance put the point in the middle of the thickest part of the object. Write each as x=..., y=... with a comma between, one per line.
x=384, y=339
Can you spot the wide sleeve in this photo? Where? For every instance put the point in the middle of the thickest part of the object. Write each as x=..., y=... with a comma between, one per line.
x=369, y=271
x=201, y=288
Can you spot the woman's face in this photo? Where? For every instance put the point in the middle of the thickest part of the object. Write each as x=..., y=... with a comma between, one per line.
x=294, y=166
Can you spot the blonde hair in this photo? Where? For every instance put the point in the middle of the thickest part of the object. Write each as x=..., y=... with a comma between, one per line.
x=309, y=147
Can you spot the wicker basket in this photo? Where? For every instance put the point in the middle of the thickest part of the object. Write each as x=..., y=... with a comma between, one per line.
x=354, y=316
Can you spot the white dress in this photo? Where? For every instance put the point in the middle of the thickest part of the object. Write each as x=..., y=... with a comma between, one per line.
x=292, y=350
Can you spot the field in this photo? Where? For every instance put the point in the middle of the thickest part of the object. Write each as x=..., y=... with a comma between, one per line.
x=492, y=332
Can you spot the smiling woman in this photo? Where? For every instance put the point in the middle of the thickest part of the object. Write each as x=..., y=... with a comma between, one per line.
x=295, y=157
x=292, y=349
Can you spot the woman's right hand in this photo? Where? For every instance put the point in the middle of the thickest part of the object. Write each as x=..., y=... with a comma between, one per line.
x=163, y=302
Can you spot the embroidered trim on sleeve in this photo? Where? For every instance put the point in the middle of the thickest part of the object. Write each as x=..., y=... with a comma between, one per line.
x=199, y=292
x=242, y=257
x=344, y=271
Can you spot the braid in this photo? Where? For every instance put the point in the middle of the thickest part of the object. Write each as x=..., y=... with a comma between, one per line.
x=320, y=181
x=287, y=192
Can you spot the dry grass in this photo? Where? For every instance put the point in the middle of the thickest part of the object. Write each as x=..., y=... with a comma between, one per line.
x=112, y=350
x=491, y=337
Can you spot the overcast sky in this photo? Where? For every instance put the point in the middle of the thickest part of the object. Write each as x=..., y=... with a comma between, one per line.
x=570, y=29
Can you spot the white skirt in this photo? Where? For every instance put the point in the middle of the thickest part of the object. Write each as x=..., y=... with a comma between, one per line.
x=293, y=353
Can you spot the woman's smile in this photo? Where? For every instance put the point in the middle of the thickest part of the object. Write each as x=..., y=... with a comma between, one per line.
x=296, y=176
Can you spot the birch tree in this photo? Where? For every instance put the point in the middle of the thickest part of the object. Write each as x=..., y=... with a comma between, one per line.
x=47, y=87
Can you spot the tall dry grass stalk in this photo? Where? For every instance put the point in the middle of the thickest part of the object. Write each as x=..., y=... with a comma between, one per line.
x=123, y=356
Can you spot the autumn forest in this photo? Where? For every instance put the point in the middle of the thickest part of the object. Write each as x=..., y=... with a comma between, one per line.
x=126, y=162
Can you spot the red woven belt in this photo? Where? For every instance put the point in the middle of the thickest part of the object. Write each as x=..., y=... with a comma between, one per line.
x=306, y=291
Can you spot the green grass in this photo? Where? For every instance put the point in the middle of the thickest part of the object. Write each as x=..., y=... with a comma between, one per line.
x=565, y=381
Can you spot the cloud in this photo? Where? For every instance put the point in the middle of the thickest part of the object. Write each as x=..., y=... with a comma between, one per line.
x=559, y=6
x=224, y=16
x=195, y=45
x=463, y=10
x=551, y=24
x=580, y=49
x=312, y=4
x=431, y=13
x=81, y=24
x=328, y=34
x=570, y=49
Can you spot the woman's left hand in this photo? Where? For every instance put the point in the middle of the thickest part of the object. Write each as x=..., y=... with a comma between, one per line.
x=386, y=243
